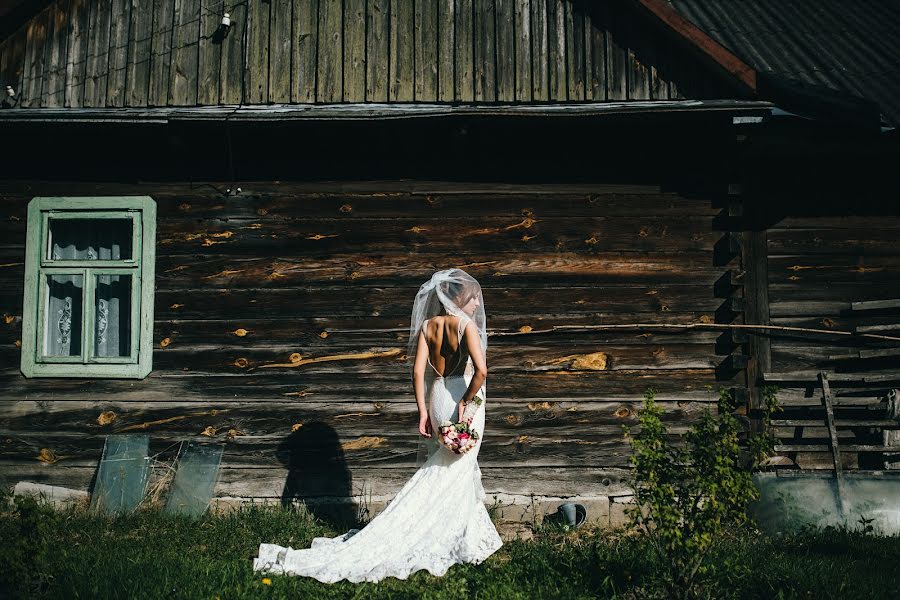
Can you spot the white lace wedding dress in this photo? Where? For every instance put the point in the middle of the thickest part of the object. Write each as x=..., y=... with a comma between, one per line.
x=436, y=520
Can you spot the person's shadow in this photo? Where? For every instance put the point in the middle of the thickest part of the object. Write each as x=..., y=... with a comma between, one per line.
x=318, y=475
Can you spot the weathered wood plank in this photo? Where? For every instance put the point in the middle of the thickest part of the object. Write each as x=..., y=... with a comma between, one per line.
x=233, y=63
x=14, y=60
x=597, y=59
x=638, y=71
x=185, y=53
x=522, y=50
x=53, y=92
x=575, y=50
x=616, y=51
x=485, y=51
x=367, y=483
x=36, y=38
x=426, y=50
x=330, y=54
x=446, y=50
x=464, y=62
x=374, y=386
x=118, y=52
x=280, y=68
x=402, y=51
x=97, y=66
x=160, y=53
x=377, y=39
x=256, y=73
x=540, y=51
x=506, y=59
x=556, y=46
x=354, y=51
x=304, y=51
x=209, y=54
x=140, y=35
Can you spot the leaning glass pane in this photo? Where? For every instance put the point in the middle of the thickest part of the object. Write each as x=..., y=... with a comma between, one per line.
x=122, y=474
x=89, y=239
x=112, y=316
x=62, y=315
x=195, y=479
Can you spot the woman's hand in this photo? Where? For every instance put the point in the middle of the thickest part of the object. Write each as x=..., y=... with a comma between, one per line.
x=425, y=426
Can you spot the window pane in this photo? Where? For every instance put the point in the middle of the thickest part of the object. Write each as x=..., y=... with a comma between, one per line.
x=62, y=315
x=90, y=239
x=112, y=316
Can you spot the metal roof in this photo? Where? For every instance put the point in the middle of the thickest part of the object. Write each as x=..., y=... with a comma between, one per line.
x=852, y=47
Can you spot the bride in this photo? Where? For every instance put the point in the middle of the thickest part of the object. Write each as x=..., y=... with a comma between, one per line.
x=438, y=518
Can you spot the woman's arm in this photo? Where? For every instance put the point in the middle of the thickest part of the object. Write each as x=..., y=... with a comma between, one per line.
x=419, y=384
x=478, y=361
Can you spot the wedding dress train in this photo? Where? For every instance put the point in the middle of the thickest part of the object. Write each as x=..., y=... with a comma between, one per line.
x=436, y=520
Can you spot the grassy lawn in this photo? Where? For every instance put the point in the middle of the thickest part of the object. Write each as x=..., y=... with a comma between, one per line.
x=71, y=554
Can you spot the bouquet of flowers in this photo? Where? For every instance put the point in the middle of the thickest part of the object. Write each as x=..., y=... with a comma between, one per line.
x=461, y=437
x=458, y=438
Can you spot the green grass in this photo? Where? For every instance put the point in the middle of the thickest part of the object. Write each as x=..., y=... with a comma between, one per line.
x=71, y=554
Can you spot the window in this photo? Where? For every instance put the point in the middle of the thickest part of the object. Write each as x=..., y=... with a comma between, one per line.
x=88, y=306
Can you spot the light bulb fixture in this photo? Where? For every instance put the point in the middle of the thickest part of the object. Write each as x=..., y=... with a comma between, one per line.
x=226, y=20
x=10, y=91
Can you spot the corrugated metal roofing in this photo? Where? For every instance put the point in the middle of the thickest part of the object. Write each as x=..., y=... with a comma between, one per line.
x=852, y=47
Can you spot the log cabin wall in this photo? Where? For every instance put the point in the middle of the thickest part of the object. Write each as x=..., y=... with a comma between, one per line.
x=282, y=317
x=137, y=53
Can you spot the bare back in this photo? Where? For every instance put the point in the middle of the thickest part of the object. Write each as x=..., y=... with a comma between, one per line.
x=446, y=351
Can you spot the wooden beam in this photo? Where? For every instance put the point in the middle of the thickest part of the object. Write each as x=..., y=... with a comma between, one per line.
x=737, y=69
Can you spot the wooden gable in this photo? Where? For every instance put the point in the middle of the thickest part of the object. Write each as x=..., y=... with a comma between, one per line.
x=117, y=53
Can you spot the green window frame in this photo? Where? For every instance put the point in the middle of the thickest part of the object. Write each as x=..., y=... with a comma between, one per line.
x=133, y=273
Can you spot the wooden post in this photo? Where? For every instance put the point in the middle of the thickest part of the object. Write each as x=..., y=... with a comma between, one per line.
x=832, y=432
x=754, y=262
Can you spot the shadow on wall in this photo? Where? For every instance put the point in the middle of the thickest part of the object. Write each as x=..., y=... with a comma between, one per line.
x=318, y=475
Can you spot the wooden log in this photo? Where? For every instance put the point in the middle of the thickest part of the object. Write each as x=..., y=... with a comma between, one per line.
x=486, y=55
x=280, y=51
x=464, y=60
x=464, y=236
x=53, y=92
x=256, y=73
x=271, y=384
x=329, y=86
x=160, y=54
x=565, y=268
x=371, y=481
x=354, y=67
x=507, y=62
x=426, y=50
x=120, y=20
x=304, y=51
x=32, y=82
x=183, y=76
x=140, y=35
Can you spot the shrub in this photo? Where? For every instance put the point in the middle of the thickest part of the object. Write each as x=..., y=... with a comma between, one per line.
x=688, y=495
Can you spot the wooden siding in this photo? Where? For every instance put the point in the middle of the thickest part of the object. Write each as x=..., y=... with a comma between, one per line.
x=113, y=53
x=285, y=311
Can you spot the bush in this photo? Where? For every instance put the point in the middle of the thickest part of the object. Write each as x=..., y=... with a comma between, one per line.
x=687, y=496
